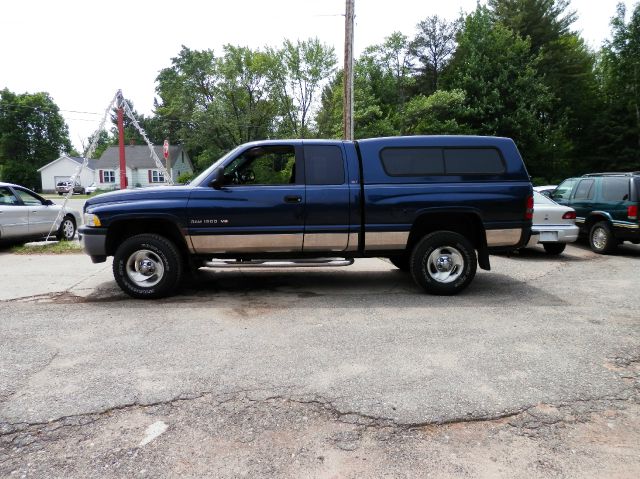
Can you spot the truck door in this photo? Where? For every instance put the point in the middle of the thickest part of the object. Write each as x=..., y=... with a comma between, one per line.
x=258, y=209
x=327, y=200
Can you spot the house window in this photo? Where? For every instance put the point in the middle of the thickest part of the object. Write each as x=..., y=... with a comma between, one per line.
x=157, y=176
x=107, y=176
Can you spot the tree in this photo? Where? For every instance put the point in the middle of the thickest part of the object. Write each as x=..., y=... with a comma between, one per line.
x=565, y=63
x=433, y=46
x=442, y=113
x=620, y=78
x=504, y=94
x=32, y=134
x=299, y=71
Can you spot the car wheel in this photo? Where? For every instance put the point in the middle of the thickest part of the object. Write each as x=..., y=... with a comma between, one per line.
x=601, y=238
x=67, y=229
x=443, y=263
x=59, y=193
x=400, y=261
x=554, y=248
x=147, y=266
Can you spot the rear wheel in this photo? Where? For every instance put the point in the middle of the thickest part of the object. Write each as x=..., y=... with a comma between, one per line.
x=554, y=248
x=67, y=230
x=601, y=238
x=147, y=266
x=443, y=263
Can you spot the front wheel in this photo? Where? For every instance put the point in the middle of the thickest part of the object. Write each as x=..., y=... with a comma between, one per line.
x=554, y=248
x=601, y=238
x=67, y=230
x=147, y=266
x=443, y=263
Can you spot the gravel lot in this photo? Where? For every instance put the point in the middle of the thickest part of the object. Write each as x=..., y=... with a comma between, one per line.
x=534, y=371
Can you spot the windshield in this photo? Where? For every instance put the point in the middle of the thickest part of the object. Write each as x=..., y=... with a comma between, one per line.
x=198, y=180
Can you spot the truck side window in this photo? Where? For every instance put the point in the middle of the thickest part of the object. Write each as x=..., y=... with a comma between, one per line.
x=615, y=188
x=473, y=161
x=324, y=165
x=412, y=161
x=585, y=190
x=262, y=165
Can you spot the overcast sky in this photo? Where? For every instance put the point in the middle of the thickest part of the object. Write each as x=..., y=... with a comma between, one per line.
x=82, y=51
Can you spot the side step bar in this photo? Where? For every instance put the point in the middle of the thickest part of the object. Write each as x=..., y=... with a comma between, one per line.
x=280, y=263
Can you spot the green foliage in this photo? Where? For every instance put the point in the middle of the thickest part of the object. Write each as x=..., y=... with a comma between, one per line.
x=505, y=94
x=185, y=178
x=443, y=113
x=433, y=47
x=32, y=134
x=620, y=82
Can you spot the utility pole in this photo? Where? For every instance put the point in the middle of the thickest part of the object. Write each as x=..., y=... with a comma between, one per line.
x=347, y=111
x=123, y=163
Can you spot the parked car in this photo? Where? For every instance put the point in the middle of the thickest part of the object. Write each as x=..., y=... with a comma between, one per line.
x=25, y=215
x=545, y=190
x=91, y=188
x=63, y=187
x=606, y=206
x=553, y=226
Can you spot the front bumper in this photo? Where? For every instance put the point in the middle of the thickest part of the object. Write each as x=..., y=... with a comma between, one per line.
x=94, y=242
x=553, y=234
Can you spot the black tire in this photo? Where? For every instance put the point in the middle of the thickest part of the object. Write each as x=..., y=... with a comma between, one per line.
x=147, y=266
x=601, y=239
x=59, y=193
x=436, y=252
x=67, y=229
x=554, y=248
x=401, y=262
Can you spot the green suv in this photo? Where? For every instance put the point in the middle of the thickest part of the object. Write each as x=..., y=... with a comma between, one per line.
x=606, y=206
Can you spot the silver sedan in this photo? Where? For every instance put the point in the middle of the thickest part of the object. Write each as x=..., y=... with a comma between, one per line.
x=25, y=215
x=553, y=226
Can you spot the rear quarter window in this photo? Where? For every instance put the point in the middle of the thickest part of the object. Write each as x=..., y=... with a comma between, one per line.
x=615, y=189
x=442, y=161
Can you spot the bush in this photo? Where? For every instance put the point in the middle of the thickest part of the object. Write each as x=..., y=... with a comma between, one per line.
x=185, y=178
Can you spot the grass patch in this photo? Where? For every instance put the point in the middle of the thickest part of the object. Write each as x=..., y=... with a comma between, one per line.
x=51, y=247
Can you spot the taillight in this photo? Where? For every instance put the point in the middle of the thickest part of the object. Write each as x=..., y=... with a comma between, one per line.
x=529, y=213
x=632, y=212
x=569, y=215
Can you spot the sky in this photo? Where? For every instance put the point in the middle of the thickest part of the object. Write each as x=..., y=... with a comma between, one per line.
x=82, y=51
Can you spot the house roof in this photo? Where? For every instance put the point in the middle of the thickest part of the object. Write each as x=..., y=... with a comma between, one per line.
x=138, y=156
x=76, y=159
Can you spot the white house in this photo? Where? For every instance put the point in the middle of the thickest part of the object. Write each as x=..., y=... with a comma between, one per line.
x=62, y=169
x=141, y=168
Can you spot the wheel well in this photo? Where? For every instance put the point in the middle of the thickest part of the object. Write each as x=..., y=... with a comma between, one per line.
x=120, y=231
x=593, y=219
x=468, y=225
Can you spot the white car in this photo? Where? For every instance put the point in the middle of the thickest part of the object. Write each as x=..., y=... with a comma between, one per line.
x=25, y=216
x=91, y=188
x=553, y=226
x=545, y=190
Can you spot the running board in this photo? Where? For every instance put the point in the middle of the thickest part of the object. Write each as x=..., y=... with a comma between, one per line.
x=283, y=263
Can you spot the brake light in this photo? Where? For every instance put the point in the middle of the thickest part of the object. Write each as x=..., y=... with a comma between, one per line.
x=632, y=212
x=529, y=213
x=569, y=215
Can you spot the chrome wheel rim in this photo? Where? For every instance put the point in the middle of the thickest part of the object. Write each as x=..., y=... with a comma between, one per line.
x=599, y=238
x=68, y=230
x=445, y=264
x=145, y=268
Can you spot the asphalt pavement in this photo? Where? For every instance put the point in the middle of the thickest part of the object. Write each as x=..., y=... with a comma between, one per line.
x=234, y=361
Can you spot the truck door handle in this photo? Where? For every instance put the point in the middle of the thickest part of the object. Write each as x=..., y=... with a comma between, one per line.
x=293, y=199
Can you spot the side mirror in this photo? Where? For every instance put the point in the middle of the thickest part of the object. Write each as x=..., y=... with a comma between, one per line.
x=48, y=202
x=218, y=179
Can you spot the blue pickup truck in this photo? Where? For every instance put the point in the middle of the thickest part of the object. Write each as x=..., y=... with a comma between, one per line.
x=435, y=206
